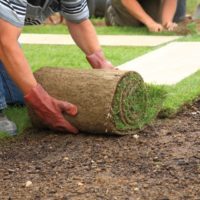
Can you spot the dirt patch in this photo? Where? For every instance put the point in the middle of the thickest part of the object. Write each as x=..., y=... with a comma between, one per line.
x=188, y=26
x=162, y=162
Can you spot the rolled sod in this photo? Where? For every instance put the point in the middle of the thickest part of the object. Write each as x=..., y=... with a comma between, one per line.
x=111, y=102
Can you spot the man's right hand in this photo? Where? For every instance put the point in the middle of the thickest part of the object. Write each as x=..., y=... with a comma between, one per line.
x=50, y=110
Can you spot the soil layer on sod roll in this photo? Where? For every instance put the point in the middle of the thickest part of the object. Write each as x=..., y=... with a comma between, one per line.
x=112, y=102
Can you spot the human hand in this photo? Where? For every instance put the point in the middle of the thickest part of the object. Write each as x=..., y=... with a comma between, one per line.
x=98, y=61
x=50, y=110
x=155, y=27
x=170, y=26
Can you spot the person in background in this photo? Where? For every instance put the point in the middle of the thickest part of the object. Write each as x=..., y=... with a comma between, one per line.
x=17, y=82
x=156, y=15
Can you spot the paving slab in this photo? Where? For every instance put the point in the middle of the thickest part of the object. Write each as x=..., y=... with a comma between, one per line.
x=105, y=40
x=167, y=65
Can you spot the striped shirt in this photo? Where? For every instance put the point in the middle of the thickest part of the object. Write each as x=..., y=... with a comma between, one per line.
x=13, y=11
x=20, y=12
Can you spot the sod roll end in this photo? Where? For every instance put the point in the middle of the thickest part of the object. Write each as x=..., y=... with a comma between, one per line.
x=109, y=102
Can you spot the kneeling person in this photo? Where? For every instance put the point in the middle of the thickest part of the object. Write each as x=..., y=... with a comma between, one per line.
x=156, y=15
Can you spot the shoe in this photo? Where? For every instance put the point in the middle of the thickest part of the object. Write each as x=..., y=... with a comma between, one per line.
x=7, y=126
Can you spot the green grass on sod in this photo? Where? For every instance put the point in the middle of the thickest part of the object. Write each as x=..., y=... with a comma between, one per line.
x=190, y=38
x=71, y=56
x=47, y=55
x=185, y=92
x=101, y=30
x=135, y=103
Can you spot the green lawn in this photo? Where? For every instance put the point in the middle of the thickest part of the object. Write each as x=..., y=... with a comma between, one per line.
x=71, y=56
x=183, y=93
x=191, y=6
x=191, y=38
x=101, y=30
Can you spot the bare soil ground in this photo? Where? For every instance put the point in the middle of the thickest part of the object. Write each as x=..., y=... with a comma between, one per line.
x=161, y=162
x=188, y=26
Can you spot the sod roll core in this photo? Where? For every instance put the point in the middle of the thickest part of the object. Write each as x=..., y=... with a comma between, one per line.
x=108, y=101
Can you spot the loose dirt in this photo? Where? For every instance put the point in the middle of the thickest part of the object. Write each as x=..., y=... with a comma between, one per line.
x=188, y=27
x=161, y=162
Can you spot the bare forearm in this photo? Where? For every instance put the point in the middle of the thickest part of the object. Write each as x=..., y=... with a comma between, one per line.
x=13, y=58
x=136, y=10
x=17, y=67
x=85, y=37
x=168, y=11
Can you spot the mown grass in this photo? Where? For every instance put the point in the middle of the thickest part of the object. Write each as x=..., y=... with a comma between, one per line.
x=71, y=56
x=101, y=30
x=190, y=38
x=191, y=6
x=183, y=93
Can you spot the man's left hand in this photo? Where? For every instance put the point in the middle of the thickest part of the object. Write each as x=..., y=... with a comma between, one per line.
x=170, y=26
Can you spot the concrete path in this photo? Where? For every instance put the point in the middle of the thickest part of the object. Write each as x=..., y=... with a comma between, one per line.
x=105, y=40
x=167, y=65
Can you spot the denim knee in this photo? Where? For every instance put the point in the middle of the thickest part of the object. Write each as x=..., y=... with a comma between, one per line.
x=2, y=97
x=11, y=93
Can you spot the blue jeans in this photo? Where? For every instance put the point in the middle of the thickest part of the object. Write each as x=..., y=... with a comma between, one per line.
x=9, y=92
x=180, y=11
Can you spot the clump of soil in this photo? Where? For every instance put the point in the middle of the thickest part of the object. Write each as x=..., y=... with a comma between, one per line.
x=188, y=26
x=160, y=162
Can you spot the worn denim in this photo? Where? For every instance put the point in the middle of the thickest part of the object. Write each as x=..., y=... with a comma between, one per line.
x=180, y=11
x=9, y=92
